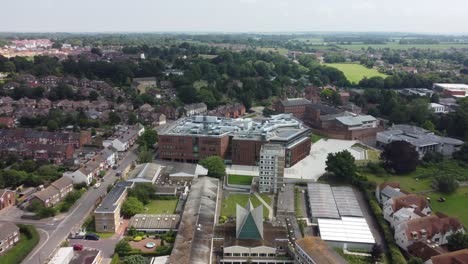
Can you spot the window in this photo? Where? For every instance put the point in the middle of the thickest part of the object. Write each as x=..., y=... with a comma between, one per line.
x=105, y=227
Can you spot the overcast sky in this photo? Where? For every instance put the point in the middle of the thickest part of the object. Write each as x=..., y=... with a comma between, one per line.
x=434, y=16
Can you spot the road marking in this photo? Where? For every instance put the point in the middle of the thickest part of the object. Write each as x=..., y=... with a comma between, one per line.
x=39, y=248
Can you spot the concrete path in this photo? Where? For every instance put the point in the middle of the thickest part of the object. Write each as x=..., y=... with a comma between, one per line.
x=270, y=210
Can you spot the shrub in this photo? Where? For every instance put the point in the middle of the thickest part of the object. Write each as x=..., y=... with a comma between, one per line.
x=137, y=238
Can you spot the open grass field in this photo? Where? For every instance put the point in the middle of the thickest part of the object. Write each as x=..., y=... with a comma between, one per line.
x=315, y=138
x=229, y=204
x=356, y=72
x=454, y=205
x=240, y=179
x=161, y=207
x=281, y=51
x=396, y=46
x=22, y=248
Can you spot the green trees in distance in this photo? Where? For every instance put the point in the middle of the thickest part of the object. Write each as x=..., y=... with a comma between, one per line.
x=462, y=154
x=400, y=157
x=131, y=207
x=342, y=165
x=215, y=166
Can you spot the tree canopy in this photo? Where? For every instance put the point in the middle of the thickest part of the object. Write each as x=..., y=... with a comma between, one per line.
x=131, y=207
x=400, y=156
x=342, y=165
x=215, y=166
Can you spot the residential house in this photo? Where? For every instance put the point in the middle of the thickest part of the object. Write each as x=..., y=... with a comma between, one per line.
x=403, y=208
x=49, y=80
x=54, y=193
x=9, y=236
x=56, y=154
x=193, y=109
x=124, y=138
x=235, y=110
x=25, y=102
x=175, y=72
x=45, y=137
x=7, y=198
x=27, y=79
x=6, y=110
x=437, y=108
x=435, y=228
x=7, y=122
x=145, y=83
x=44, y=103
x=388, y=190
x=456, y=257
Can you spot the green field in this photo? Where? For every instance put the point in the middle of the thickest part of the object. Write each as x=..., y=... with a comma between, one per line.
x=229, y=203
x=316, y=137
x=454, y=205
x=161, y=207
x=281, y=51
x=396, y=46
x=356, y=72
x=240, y=179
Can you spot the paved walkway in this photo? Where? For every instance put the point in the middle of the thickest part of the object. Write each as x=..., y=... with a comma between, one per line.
x=270, y=210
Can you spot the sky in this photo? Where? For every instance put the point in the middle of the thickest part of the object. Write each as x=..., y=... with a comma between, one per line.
x=417, y=16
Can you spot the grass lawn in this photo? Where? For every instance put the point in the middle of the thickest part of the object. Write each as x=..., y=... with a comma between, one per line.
x=356, y=72
x=161, y=207
x=424, y=175
x=352, y=259
x=229, y=204
x=297, y=203
x=240, y=179
x=316, y=138
x=207, y=56
x=281, y=51
x=454, y=205
x=22, y=249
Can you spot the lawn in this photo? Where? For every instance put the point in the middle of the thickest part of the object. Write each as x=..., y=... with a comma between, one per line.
x=161, y=207
x=22, y=249
x=316, y=138
x=454, y=205
x=356, y=72
x=352, y=259
x=229, y=204
x=240, y=179
x=207, y=56
x=421, y=178
x=281, y=51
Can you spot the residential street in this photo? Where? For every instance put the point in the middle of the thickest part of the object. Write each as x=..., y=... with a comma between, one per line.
x=54, y=231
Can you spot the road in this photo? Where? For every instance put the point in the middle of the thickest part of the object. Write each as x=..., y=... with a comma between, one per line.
x=54, y=232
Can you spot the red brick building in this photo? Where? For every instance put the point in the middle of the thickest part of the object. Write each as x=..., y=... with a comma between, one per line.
x=295, y=106
x=236, y=141
x=7, y=198
x=45, y=137
x=53, y=153
x=7, y=122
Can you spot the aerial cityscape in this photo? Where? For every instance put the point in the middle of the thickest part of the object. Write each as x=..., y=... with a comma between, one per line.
x=242, y=132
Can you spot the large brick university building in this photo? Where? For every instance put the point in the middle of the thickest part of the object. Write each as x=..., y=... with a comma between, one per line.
x=238, y=141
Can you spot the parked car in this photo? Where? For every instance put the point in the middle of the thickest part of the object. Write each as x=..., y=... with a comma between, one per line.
x=92, y=237
x=77, y=247
x=97, y=185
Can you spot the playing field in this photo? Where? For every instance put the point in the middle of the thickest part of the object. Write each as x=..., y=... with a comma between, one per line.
x=454, y=205
x=161, y=207
x=356, y=72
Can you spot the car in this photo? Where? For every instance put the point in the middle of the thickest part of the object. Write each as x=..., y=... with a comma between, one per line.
x=114, y=167
x=92, y=237
x=97, y=185
x=78, y=247
x=118, y=173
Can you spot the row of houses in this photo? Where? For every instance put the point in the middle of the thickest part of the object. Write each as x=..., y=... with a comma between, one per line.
x=30, y=136
x=56, y=154
x=124, y=137
x=54, y=193
x=46, y=104
x=417, y=230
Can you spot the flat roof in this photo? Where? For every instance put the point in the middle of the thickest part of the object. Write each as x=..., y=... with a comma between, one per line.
x=62, y=255
x=152, y=221
x=460, y=86
x=346, y=229
x=319, y=251
x=321, y=200
x=346, y=201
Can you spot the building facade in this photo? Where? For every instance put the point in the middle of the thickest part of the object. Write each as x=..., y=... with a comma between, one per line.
x=271, y=168
x=9, y=236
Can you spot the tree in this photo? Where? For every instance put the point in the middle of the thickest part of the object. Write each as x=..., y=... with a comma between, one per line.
x=341, y=164
x=376, y=252
x=131, y=207
x=446, y=183
x=433, y=157
x=215, y=166
x=145, y=155
x=461, y=154
x=135, y=259
x=415, y=260
x=114, y=118
x=400, y=156
x=457, y=241
x=123, y=248
x=52, y=125
x=132, y=119
x=148, y=138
